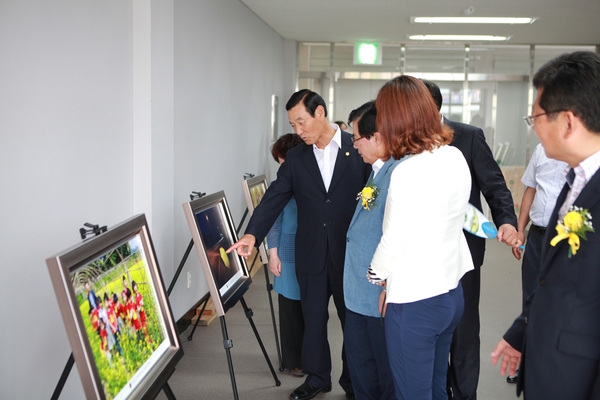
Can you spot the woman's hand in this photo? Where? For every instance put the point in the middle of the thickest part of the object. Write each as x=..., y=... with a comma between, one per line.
x=382, y=303
x=274, y=262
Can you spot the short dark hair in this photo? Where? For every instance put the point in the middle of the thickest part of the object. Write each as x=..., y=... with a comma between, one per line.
x=310, y=99
x=283, y=144
x=434, y=89
x=571, y=82
x=366, y=115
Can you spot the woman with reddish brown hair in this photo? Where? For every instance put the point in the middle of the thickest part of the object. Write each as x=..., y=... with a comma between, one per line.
x=423, y=253
x=410, y=121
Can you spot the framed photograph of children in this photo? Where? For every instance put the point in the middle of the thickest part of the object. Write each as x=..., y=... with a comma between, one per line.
x=254, y=189
x=213, y=232
x=116, y=312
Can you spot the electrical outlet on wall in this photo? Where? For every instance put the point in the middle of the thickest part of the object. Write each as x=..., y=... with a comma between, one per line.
x=189, y=279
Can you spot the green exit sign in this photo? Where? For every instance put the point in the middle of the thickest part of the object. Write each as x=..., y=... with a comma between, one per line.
x=367, y=53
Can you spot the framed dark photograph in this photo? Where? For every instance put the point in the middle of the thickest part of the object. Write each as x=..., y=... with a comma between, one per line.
x=254, y=189
x=213, y=232
x=116, y=313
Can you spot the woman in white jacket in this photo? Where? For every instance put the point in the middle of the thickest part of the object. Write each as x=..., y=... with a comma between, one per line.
x=423, y=253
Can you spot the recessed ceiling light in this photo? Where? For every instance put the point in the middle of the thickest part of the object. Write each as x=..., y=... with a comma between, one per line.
x=470, y=38
x=472, y=20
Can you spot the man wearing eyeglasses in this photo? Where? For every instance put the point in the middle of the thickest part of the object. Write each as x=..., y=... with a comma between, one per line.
x=556, y=339
x=543, y=180
x=364, y=334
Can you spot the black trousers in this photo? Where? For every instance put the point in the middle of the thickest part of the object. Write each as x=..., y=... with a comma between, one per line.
x=315, y=292
x=463, y=370
x=291, y=329
x=531, y=260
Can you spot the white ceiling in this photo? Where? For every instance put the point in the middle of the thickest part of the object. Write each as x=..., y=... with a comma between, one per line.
x=561, y=22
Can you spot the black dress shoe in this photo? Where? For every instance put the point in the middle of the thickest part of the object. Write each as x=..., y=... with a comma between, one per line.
x=305, y=392
x=513, y=378
x=350, y=396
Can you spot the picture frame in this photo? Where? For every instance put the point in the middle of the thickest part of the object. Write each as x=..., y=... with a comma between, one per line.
x=126, y=345
x=213, y=232
x=254, y=189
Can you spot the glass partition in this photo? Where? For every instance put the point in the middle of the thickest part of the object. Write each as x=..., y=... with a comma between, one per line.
x=483, y=85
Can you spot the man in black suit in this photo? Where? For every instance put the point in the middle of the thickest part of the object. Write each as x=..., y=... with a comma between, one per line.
x=324, y=176
x=486, y=179
x=556, y=339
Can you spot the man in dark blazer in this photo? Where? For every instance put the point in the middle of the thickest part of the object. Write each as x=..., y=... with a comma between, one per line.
x=557, y=337
x=324, y=176
x=486, y=179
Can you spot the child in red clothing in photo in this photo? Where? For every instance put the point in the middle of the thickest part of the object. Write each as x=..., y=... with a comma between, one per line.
x=121, y=311
x=132, y=314
x=104, y=339
x=111, y=312
x=139, y=302
x=95, y=318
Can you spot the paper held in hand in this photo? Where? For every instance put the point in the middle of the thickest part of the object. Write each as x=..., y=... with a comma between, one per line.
x=477, y=224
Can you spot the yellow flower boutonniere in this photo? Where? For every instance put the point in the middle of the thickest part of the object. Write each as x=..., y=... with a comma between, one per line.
x=368, y=195
x=575, y=224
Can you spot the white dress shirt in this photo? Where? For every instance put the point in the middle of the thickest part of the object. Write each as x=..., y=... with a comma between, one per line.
x=547, y=177
x=377, y=166
x=326, y=157
x=583, y=173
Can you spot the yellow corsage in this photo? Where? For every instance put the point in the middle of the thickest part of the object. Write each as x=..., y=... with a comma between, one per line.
x=575, y=224
x=368, y=195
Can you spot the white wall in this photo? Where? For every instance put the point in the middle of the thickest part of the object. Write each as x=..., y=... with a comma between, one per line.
x=222, y=96
x=109, y=109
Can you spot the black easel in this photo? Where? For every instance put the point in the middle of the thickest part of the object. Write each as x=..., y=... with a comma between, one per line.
x=63, y=378
x=269, y=288
x=228, y=344
x=84, y=233
x=193, y=196
x=176, y=276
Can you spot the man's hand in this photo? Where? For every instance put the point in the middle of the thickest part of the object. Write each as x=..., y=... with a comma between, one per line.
x=518, y=250
x=511, y=358
x=509, y=235
x=244, y=245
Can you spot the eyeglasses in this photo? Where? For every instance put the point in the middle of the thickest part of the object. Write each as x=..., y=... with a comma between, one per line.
x=529, y=119
x=354, y=140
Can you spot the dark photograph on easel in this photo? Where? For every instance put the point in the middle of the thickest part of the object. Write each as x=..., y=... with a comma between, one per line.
x=213, y=232
x=226, y=274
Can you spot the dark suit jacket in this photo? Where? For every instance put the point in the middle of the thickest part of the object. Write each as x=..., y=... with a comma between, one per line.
x=486, y=178
x=559, y=329
x=323, y=216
